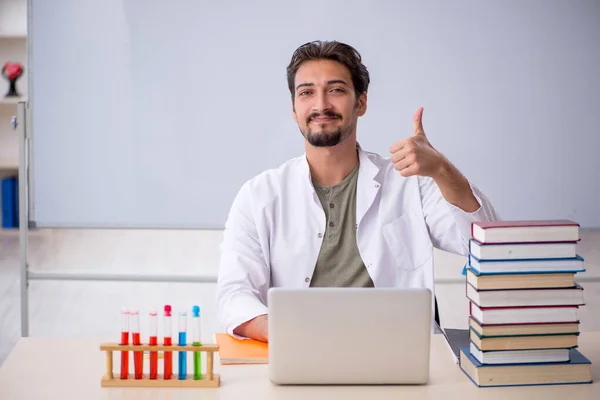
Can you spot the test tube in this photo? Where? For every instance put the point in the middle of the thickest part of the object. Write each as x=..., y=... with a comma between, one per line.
x=138, y=359
x=153, y=342
x=124, y=341
x=168, y=364
x=182, y=342
x=196, y=342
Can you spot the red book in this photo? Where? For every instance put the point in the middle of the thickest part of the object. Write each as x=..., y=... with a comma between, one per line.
x=534, y=231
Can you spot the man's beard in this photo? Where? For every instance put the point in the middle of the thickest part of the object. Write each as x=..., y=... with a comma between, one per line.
x=326, y=139
x=323, y=139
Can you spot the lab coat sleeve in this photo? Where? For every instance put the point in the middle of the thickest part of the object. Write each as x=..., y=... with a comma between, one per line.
x=449, y=226
x=244, y=275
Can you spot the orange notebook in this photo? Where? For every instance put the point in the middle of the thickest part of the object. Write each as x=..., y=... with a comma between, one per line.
x=236, y=351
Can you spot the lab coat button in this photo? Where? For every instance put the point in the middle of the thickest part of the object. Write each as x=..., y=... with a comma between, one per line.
x=307, y=280
x=319, y=235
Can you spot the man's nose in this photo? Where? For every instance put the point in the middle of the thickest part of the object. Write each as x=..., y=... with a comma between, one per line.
x=322, y=103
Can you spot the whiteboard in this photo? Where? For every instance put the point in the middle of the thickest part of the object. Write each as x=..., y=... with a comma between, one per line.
x=152, y=114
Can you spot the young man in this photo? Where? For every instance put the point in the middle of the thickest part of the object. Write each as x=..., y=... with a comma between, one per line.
x=338, y=215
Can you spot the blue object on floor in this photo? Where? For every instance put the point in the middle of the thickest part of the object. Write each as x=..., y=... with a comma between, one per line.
x=10, y=202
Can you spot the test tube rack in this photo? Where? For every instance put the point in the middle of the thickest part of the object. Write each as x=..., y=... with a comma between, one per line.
x=111, y=379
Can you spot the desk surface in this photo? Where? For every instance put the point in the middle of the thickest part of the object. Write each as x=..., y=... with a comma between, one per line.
x=72, y=368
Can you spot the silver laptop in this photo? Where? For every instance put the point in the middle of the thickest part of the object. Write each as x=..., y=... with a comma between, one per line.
x=349, y=335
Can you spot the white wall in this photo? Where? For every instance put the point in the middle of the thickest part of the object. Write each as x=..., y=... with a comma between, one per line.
x=13, y=21
x=197, y=253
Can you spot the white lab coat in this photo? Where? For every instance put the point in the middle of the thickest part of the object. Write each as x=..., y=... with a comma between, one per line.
x=274, y=231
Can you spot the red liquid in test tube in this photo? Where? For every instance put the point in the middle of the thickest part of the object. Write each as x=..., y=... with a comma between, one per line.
x=167, y=342
x=124, y=341
x=153, y=342
x=138, y=358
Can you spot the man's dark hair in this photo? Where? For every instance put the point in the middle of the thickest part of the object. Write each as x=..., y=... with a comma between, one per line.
x=330, y=50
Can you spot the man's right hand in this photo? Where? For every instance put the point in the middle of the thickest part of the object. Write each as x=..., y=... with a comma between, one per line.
x=256, y=328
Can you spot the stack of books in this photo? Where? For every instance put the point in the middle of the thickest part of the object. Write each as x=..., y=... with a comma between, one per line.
x=524, y=304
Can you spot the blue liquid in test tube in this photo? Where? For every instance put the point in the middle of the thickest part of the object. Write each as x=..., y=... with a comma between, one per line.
x=182, y=342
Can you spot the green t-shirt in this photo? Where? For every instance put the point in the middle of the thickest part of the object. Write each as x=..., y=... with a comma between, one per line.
x=339, y=263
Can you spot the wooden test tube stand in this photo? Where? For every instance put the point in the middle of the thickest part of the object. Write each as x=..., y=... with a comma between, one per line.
x=207, y=380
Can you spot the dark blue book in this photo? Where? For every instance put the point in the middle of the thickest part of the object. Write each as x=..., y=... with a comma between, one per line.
x=10, y=203
x=576, y=371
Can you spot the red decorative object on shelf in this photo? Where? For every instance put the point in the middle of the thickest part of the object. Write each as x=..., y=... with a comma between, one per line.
x=12, y=71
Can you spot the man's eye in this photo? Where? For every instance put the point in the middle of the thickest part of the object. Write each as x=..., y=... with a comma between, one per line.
x=304, y=93
x=339, y=90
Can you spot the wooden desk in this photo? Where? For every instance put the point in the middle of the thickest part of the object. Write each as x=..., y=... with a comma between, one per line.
x=72, y=368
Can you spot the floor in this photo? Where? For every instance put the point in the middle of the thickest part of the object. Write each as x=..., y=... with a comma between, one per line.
x=92, y=308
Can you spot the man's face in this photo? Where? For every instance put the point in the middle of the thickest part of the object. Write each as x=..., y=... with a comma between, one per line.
x=325, y=104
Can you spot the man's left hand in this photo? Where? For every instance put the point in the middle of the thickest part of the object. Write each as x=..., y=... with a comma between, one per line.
x=415, y=155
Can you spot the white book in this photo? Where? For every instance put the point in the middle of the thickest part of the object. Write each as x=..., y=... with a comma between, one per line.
x=526, y=297
x=519, y=356
x=524, y=315
x=535, y=231
x=520, y=251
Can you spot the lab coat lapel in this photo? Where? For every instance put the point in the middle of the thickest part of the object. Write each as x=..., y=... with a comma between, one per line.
x=306, y=180
x=367, y=186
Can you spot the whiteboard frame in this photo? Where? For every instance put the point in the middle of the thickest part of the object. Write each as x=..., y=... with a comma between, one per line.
x=102, y=224
x=28, y=126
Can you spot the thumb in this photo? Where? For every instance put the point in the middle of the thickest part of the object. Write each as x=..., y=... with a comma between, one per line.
x=418, y=122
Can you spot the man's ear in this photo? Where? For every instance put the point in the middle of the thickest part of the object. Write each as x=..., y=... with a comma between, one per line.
x=294, y=111
x=362, y=104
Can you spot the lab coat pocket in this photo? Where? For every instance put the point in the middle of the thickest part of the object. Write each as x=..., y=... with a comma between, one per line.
x=408, y=241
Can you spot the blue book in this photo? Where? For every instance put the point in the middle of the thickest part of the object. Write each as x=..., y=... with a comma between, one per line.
x=572, y=264
x=467, y=268
x=10, y=202
x=500, y=271
x=576, y=371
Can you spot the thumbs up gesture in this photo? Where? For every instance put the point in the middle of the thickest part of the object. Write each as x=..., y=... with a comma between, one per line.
x=415, y=155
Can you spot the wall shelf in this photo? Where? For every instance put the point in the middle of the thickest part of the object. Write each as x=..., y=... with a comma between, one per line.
x=11, y=101
x=13, y=47
x=21, y=36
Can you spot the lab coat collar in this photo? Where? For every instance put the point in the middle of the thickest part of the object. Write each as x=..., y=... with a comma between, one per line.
x=367, y=185
x=367, y=170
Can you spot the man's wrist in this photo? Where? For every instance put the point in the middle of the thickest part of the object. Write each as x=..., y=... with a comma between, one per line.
x=444, y=171
x=455, y=187
x=255, y=328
